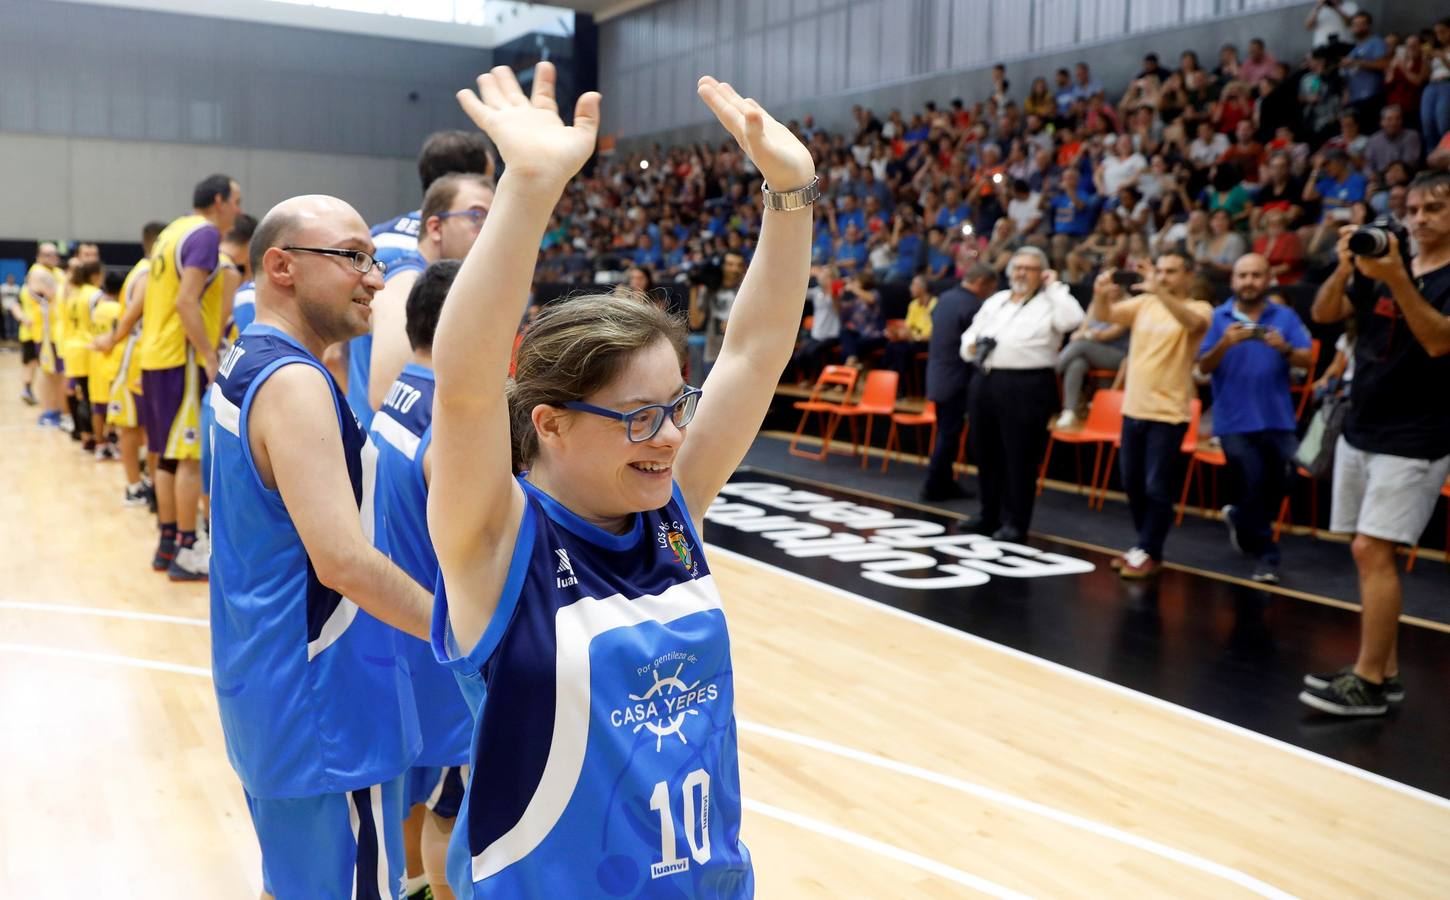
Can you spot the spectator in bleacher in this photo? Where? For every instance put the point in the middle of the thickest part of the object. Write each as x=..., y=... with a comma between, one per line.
x=1350, y=140
x=911, y=336
x=1074, y=212
x=1229, y=66
x=1014, y=341
x=1226, y=191
x=1235, y=105
x=1396, y=174
x=1152, y=69
x=1249, y=349
x=1084, y=84
x=710, y=305
x=1405, y=79
x=1329, y=23
x=1207, y=147
x=1120, y=168
x=1104, y=247
x=861, y=318
x=1135, y=212
x=1281, y=247
x=1435, y=99
x=1319, y=96
x=948, y=377
x=825, y=330
x=1245, y=153
x=1278, y=103
x=1394, y=454
x=1280, y=192
x=1064, y=94
x=1039, y=100
x=1366, y=65
x=1334, y=185
x=1166, y=326
x=1094, y=345
x=1258, y=65
x=954, y=211
x=852, y=251
x=1220, y=249
x=907, y=246
x=1392, y=143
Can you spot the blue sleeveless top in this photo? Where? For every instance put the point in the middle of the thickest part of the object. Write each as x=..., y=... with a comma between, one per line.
x=401, y=434
x=312, y=697
x=360, y=348
x=604, y=758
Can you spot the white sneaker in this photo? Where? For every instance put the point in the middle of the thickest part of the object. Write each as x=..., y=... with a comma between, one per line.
x=1068, y=419
x=202, y=549
x=189, y=565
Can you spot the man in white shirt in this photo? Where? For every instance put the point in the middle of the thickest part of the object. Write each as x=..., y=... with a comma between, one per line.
x=1024, y=209
x=1329, y=22
x=1120, y=168
x=1014, y=342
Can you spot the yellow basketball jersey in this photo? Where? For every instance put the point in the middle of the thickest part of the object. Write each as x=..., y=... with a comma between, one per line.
x=163, y=340
x=130, y=344
x=104, y=367
x=76, y=348
x=37, y=313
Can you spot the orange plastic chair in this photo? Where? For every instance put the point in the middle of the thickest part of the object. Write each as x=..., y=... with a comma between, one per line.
x=1202, y=457
x=925, y=418
x=878, y=398
x=1103, y=426
x=831, y=378
x=1189, y=445
x=1415, y=550
x=1306, y=390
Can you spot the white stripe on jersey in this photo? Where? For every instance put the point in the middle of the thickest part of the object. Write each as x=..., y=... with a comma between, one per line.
x=391, y=240
x=396, y=434
x=333, y=628
x=228, y=415
x=576, y=625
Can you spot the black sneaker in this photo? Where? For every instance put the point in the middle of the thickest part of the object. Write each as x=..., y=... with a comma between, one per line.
x=150, y=497
x=1230, y=512
x=1265, y=573
x=165, y=553
x=1347, y=695
x=1394, y=687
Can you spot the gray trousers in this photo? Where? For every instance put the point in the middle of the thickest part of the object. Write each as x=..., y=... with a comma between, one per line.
x=1075, y=360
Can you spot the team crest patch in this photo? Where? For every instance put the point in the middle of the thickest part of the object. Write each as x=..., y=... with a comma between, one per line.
x=671, y=536
x=190, y=436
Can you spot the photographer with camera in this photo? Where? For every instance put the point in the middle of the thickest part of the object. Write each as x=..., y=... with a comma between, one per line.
x=712, y=294
x=1394, y=453
x=1166, y=326
x=1249, y=349
x=1014, y=341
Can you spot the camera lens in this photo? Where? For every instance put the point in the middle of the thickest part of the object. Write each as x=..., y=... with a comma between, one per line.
x=1369, y=241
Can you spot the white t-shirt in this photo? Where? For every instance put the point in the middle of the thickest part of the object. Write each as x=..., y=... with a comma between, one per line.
x=1206, y=154
x=1328, y=24
x=1119, y=172
x=825, y=324
x=1024, y=212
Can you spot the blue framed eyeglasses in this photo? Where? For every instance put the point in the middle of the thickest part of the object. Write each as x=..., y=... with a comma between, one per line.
x=475, y=217
x=644, y=423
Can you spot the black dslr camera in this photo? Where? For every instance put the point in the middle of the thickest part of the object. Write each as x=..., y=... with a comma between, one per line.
x=985, y=346
x=1373, y=239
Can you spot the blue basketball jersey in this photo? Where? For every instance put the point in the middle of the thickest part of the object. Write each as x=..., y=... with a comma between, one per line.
x=313, y=699
x=398, y=236
x=360, y=349
x=401, y=433
x=244, y=306
x=604, y=759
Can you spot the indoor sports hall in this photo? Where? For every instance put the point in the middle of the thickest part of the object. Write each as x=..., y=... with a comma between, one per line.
x=1068, y=450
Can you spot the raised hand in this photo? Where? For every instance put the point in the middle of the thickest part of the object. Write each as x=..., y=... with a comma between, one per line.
x=781, y=158
x=528, y=132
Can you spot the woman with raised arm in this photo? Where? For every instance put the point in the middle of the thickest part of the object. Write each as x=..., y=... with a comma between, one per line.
x=576, y=604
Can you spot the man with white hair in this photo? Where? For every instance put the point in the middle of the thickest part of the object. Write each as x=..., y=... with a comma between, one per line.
x=1014, y=341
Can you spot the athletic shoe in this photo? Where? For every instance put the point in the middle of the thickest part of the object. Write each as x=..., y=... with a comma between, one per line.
x=48, y=420
x=1394, y=687
x=423, y=893
x=28, y=396
x=1066, y=420
x=1116, y=563
x=68, y=425
x=1230, y=514
x=202, y=548
x=1265, y=573
x=188, y=566
x=1138, y=564
x=135, y=495
x=107, y=453
x=1347, y=695
x=165, y=554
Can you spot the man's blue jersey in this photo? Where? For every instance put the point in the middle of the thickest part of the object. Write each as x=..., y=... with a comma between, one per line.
x=360, y=349
x=398, y=236
x=312, y=696
x=604, y=758
x=401, y=433
x=244, y=305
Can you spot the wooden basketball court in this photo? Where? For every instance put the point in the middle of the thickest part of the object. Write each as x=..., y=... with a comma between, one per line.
x=882, y=755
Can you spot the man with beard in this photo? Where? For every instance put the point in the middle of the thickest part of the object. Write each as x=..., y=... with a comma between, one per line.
x=1249, y=349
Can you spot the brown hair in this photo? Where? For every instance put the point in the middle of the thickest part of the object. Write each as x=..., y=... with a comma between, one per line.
x=444, y=190
x=577, y=346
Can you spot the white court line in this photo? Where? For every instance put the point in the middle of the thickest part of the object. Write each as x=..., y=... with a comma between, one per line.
x=105, y=613
x=1242, y=879
x=107, y=658
x=915, y=860
x=979, y=641
x=831, y=831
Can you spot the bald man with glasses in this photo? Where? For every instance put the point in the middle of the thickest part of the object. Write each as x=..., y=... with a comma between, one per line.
x=317, y=711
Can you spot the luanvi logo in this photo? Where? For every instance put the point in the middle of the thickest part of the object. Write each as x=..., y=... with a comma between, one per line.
x=900, y=553
x=565, y=570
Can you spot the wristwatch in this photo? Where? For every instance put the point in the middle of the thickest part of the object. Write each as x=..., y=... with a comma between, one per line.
x=789, y=201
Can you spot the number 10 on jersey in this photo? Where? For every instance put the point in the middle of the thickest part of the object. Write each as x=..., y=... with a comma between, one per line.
x=697, y=824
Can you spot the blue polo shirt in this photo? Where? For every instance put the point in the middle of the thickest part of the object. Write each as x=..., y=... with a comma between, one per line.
x=1365, y=83
x=1068, y=220
x=1344, y=192
x=856, y=253
x=1251, y=384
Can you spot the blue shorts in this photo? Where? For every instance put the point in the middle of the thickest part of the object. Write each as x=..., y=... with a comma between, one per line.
x=337, y=846
x=439, y=788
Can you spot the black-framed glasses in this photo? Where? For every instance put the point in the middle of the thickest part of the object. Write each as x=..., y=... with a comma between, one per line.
x=362, y=261
x=474, y=216
x=644, y=423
